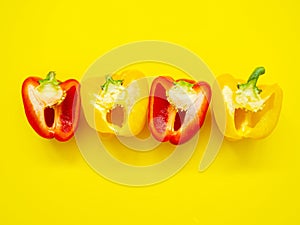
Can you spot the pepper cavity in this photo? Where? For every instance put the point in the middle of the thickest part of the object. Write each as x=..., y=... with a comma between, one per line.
x=49, y=114
x=116, y=115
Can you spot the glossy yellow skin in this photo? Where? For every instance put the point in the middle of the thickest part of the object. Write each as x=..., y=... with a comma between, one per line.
x=135, y=116
x=240, y=123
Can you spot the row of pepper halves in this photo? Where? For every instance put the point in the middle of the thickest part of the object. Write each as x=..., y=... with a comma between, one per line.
x=174, y=110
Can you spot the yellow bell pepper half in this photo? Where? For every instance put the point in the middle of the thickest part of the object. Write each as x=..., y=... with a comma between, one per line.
x=250, y=111
x=121, y=106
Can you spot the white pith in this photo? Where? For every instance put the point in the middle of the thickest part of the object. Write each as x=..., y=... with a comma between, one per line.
x=243, y=99
x=49, y=95
x=106, y=100
x=182, y=97
x=117, y=95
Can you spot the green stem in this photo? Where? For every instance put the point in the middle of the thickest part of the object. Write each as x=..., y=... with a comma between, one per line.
x=251, y=83
x=110, y=80
x=50, y=79
x=183, y=83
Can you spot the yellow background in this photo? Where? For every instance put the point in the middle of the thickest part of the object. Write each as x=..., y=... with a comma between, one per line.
x=250, y=182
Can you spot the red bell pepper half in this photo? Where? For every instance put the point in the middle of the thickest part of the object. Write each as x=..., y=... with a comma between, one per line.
x=177, y=109
x=52, y=107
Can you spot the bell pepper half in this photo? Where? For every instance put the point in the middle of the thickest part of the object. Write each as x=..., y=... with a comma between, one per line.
x=51, y=106
x=177, y=108
x=251, y=111
x=121, y=105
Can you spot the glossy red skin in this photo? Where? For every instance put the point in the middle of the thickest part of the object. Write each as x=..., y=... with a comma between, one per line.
x=66, y=114
x=161, y=114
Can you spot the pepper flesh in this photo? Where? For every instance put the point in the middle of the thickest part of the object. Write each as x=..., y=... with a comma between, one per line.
x=121, y=105
x=177, y=109
x=250, y=111
x=52, y=107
